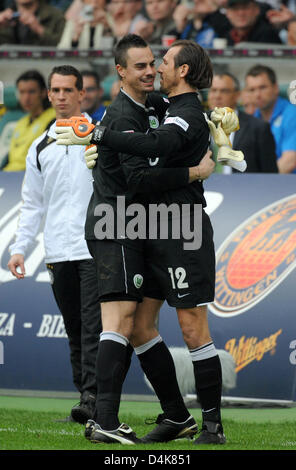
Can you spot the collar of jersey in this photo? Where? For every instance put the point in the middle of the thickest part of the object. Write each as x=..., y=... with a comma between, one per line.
x=188, y=95
x=136, y=102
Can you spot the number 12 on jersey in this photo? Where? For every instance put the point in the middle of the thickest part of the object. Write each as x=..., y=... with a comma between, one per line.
x=178, y=278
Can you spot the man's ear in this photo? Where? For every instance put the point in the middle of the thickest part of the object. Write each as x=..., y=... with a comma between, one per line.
x=120, y=70
x=184, y=69
x=81, y=95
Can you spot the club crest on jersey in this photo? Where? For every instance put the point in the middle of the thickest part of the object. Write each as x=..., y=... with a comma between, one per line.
x=138, y=280
x=255, y=258
x=153, y=122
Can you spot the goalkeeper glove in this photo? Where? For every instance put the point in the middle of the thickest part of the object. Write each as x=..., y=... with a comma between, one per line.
x=226, y=155
x=74, y=131
x=233, y=158
x=228, y=119
x=90, y=156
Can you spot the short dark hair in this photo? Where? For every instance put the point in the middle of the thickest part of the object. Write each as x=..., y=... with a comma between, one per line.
x=126, y=43
x=259, y=70
x=92, y=73
x=200, y=74
x=230, y=75
x=32, y=75
x=36, y=76
x=67, y=70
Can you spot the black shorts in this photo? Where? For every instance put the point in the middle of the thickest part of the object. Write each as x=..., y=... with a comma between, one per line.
x=120, y=270
x=185, y=278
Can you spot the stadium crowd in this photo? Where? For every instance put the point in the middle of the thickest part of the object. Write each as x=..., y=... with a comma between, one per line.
x=93, y=23
x=101, y=23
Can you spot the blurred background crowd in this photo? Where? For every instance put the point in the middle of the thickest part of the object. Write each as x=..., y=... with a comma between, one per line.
x=260, y=97
x=93, y=23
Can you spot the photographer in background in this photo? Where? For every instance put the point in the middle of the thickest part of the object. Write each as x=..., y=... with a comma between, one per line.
x=31, y=22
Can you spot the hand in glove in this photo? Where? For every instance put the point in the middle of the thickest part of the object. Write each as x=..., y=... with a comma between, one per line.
x=228, y=119
x=226, y=155
x=90, y=156
x=74, y=131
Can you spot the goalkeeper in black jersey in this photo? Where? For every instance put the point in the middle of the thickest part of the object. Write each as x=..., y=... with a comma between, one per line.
x=185, y=278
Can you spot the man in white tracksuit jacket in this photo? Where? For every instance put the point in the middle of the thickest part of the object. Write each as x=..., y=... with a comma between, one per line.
x=58, y=186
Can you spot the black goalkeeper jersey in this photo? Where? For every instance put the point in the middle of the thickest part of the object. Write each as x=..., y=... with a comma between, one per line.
x=181, y=140
x=119, y=173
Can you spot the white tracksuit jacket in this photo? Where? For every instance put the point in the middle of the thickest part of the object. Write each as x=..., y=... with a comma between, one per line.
x=60, y=192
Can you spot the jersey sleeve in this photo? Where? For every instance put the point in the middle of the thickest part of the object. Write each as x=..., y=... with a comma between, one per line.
x=166, y=140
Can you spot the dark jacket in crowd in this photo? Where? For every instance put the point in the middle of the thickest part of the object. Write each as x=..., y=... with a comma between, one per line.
x=256, y=141
x=51, y=18
x=261, y=32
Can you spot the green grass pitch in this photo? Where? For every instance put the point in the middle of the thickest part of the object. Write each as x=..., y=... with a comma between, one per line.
x=29, y=424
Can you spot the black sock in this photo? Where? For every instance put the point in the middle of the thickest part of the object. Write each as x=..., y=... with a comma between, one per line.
x=111, y=371
x=128, y=359
x=208, y=380
x=159, y=368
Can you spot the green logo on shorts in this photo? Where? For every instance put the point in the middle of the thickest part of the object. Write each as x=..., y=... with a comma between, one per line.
x=138, y=280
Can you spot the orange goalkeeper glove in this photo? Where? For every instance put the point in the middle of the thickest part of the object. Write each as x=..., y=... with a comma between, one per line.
x=74, y=131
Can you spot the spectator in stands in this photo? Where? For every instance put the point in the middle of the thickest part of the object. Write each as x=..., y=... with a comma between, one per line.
x=90, y=22
x=92, y=101
x=161, y=22
x=246, y=102
x=279, y=18
x=125, y=16
x=261, y=82
x=248, y=24
x=254, y=137
x=61, y=4
x=33, y=99
x=206, y=23
x=291, y=36
x=86, y=23
x=31, y=22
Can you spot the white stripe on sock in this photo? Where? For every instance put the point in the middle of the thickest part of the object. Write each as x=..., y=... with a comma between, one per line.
x=145, y=347
x=203, y=352
x=113, y=336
